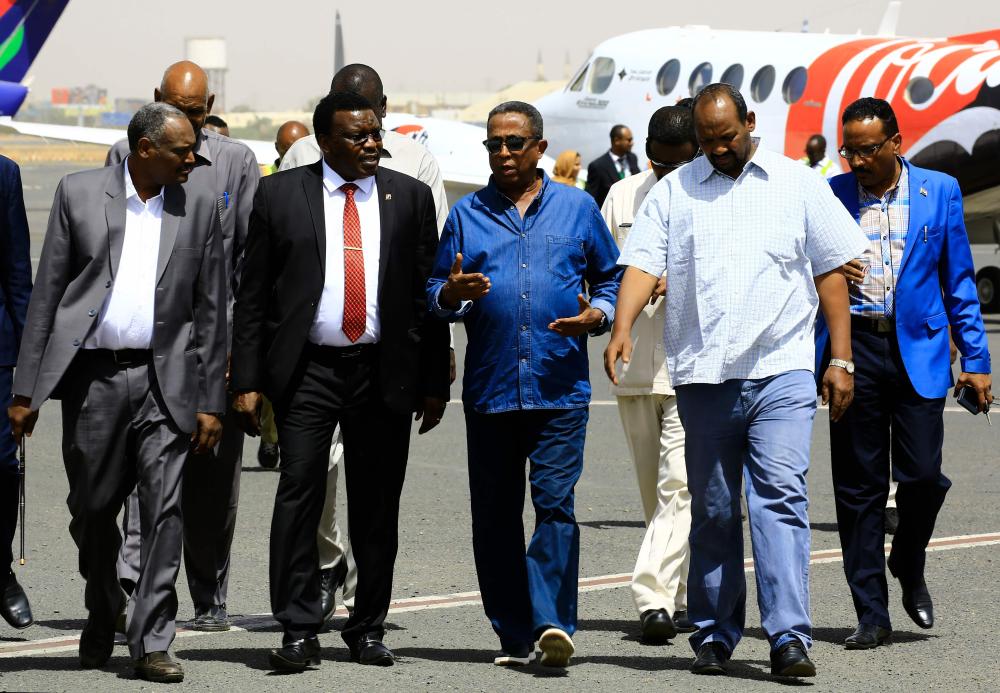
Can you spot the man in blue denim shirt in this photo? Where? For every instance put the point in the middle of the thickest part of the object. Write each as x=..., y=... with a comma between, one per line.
x=513, y=261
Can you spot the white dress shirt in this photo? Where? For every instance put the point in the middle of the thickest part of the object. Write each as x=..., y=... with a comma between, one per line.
x=646, y=372
x=126, y=318
x=740, y=257
x=621, y=164
x=327, y=327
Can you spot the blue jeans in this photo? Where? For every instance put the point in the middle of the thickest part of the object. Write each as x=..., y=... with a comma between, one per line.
x=762, y=428
x=526, y=591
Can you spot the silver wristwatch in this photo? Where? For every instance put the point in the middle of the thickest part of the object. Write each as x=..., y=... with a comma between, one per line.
x=846, y=365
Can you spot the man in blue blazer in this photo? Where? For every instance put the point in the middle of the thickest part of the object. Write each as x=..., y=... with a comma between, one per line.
x=918, y=278
x=15, y=290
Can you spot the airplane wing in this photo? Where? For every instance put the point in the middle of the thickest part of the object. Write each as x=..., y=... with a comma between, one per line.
x=73, y=133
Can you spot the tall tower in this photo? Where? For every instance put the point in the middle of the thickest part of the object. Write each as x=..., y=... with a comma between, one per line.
x=210, y=55
x=338, y=44
x=540, y=67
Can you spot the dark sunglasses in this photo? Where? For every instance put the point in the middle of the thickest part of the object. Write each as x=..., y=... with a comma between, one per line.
x=514, y=143
x=361, y=138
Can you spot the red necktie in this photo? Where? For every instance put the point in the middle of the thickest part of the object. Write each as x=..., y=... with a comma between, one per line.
x=355, y=306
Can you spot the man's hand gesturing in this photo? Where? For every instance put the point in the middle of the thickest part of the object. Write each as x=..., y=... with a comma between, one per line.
x=462, y=287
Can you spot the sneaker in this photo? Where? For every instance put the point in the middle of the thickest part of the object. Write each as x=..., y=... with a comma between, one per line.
x=516, y=657
x=556, y=647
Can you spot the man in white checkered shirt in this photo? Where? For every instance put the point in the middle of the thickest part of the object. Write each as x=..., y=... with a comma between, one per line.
x=751, y=242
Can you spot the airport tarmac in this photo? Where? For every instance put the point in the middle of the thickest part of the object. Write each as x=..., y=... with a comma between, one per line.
x=437, y=627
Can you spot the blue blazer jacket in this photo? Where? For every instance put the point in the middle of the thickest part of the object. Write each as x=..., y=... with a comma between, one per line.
x=935, y=284
x=15, y=262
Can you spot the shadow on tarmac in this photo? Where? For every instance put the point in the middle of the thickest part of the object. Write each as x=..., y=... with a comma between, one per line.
x=609, y=524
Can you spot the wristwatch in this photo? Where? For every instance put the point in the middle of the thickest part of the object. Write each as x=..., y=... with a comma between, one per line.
x=846, y=365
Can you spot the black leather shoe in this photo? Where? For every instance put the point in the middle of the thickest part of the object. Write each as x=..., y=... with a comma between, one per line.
x=370, y=650
x=710, y=658
x=791, y=660
x=890, y=520
x=14, y=606
x=267, y=455
x=657, y=627
x=296, y=655
x=96, y=644
x=158, y=667
x=918, y=605
x=682, y=623
x=867, y=636
x=331, y=580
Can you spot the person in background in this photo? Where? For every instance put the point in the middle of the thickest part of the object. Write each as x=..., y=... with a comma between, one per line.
x=288, y=134
x=567, y=168
x=817, y=160
x=616, y=163
x=648, y=408
x=216, y=124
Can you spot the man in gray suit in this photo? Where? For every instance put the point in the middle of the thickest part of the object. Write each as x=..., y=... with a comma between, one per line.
x=228, y=170
x=127, y=326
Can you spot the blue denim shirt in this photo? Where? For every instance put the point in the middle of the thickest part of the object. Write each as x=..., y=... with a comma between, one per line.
x=537, y=265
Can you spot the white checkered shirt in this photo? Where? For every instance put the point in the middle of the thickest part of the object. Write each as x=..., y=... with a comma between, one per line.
x=740, y=257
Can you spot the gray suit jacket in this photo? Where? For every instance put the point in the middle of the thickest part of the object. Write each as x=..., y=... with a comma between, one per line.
x=83, y=245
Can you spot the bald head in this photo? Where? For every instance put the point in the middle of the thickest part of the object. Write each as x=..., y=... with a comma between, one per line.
x=364, y=81
x=185, y=87
x=287, y=135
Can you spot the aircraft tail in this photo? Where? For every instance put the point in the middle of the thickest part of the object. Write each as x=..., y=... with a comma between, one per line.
x=24, y=26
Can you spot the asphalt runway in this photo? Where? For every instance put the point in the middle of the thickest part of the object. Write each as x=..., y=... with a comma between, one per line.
x=437, y=627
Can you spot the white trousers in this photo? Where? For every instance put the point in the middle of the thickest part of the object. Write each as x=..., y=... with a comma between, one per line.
x=334, y=543
x=656, y=442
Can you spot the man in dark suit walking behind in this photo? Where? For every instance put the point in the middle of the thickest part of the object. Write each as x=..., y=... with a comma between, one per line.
x=615, y=164
x=15, y=290
x=127, y=325
x=331, y=324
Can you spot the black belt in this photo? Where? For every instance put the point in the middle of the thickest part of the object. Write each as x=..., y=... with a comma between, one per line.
x=123, y=358
x=353, y=351
x=863, y=323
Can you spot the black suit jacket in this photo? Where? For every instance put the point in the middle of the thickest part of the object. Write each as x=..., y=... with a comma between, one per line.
x=15, y=262
x=283, y=277
x=602, y=174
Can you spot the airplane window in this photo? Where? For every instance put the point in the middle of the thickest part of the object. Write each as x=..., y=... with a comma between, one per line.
x=666, y=78
x=733, y=75
x=701, y=77
x=919, y=90
x=601, y=74
x=795, y=85
x=577, y=83
x=762, y=84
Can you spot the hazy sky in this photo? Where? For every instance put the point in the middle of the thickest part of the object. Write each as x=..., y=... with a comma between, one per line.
x=280, y=54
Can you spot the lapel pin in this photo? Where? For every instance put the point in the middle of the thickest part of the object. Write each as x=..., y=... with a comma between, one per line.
x=923, y=191
x=388, y=196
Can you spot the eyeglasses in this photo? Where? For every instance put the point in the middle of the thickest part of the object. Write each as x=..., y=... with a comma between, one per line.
x=668, y=167
x=360, y=138
x=514, y=143
x=864, y=152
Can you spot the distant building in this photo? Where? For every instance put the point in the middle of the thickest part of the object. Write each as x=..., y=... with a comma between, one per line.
x=210, y=55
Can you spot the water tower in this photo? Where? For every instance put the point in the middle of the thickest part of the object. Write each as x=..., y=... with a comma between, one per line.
x=210, y=54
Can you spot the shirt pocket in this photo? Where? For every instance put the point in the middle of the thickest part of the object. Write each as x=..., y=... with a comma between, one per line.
x=564, y=256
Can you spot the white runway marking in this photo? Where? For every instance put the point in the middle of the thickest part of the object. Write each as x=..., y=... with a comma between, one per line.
x=70, y=643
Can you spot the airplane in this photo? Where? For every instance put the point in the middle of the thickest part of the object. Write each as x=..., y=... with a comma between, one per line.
x=26, y=24
x=945, y=92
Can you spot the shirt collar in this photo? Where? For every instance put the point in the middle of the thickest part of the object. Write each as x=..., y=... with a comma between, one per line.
x=131, y=192
x=332, y=180
x=867, y=199
x=503, y=201
x=202, y=150
x=761, y=158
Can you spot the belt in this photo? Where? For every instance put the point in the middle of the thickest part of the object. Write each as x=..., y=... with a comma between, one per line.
x=123, y=358
x=863, y=323
x=353, y=351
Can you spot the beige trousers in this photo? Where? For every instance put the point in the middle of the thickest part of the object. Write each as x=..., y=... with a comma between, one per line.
x=656, y=442
x=334, y=544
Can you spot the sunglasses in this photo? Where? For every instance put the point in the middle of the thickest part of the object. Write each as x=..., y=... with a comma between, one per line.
x=668, y=167
x=361, y=138
x=514, y=143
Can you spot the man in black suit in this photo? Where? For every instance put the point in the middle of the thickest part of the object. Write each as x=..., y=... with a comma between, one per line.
x=15, y=291
x=609, y=168
x=331, y=325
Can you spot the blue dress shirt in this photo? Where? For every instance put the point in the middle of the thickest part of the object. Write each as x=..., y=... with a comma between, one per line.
x=537, y=265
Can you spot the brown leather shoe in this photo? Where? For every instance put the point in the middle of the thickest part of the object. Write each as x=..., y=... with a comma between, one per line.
x=158, y=667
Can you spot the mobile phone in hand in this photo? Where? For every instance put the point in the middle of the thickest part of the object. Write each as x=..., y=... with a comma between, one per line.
x=969, y=399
